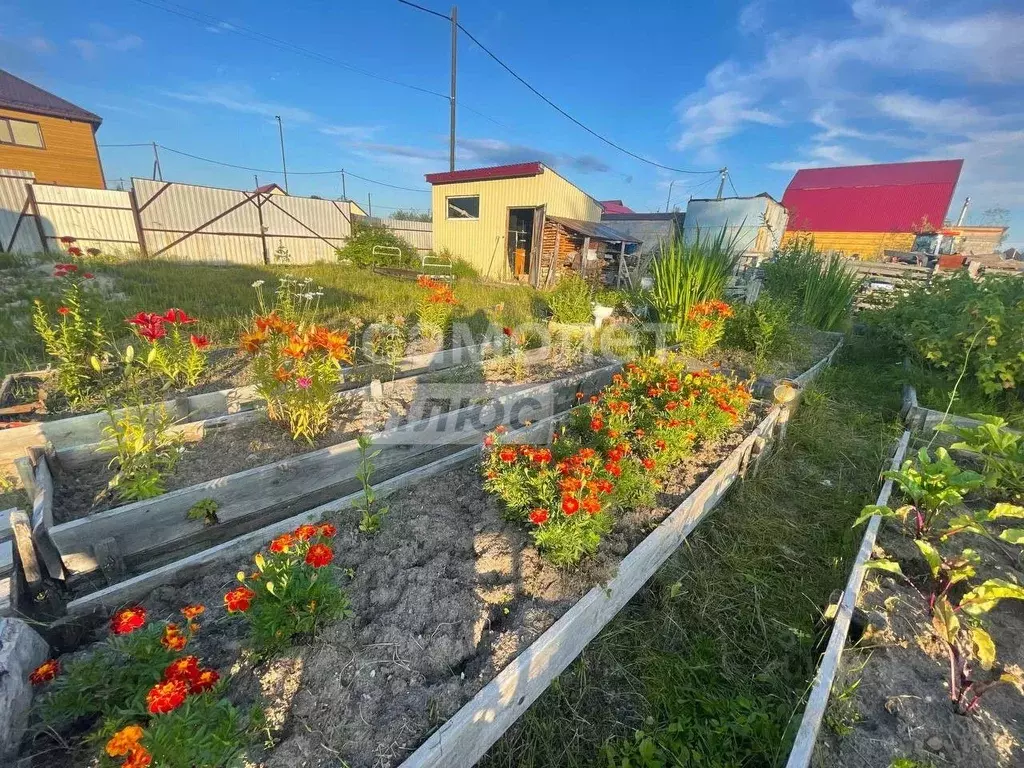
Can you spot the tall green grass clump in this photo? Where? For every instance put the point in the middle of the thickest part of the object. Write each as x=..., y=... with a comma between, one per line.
x=821, y=288
x=571, y=301
x=688, y=274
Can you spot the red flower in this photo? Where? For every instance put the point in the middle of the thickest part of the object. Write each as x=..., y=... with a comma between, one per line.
x=613, y=469
x=186, y=668
x=68, y=240
x=586, y=453
x=45, y=672
x=63, y=311
x=319, y=555
x=542, y=455
x=88, y=275
x=138, y=758
x=580, y=395
x=152, y=333
x=199, y=342
x=648, y=463
x=570, y=485
x=671, y=405
x=193, y=611
x=501, y=429
x=327, y=530
x=659, y=444
x=596, y=425
x=507, y=331
x=75, y=250
x=306, y=532
x=145, y=318
x=539, y=516
x=166, y=696
x=127, y=621
x=238, y=599
x=507, y=455
x=591, y=505
x=615, y=455
x=173, y=640
x=488, y=441
x=673, y=385
x=282, y=543
x=639, y=434
x=605, y=486
x=175, y=315
x=204, y=680
x=570, y=505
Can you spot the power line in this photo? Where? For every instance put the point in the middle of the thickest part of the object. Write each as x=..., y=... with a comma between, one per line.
x=565, y=114
x=276, y=171
x=733, y=186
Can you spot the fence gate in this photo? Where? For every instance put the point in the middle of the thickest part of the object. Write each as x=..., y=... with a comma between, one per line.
x=19, y=227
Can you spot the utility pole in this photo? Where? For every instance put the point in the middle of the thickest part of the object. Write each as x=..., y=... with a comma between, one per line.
x=721, y=183
x=157, y=171
x=668, y=200
x=963, y=212
x=284, y=166
x=451, y=117
x=369, y=205
x=344, y=194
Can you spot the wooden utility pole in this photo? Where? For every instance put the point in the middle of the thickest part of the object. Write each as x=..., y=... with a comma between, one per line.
x=451, y=117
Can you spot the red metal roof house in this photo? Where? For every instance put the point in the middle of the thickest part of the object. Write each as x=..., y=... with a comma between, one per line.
x=862, y=210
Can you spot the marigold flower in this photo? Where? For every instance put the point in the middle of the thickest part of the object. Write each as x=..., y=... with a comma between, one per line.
x=199, y=342
x=594, y=399
x=319, y=555
x=193, y=611
x=507, y=331
x=659, y=444
x=173, y=639
x=585, y=454
x=613, y=469
x=63, y=311
x=203, y=681
x=488, y=441
x=648, y=463
x=166, y=696
x=591, y=505
x=238, y=599
x=127, y=621
x=542, y=456
x=327, y=530
x=124, y=741
x=186, y=668
x=282, y=543
x=45, y=672
x=507, y=455
x=570, y=485
x=138, y=758
x=538, y=516
x=615, y=455
x=605, y=486
x=596, y=424
x=570, y=505
x=306, y=532
x=501, y=429
x=671, y=405
x=580, y=395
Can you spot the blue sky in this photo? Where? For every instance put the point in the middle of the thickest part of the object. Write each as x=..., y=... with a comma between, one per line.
x=764, y=87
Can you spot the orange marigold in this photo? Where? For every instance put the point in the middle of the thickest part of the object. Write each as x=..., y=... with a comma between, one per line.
x=306, y=532
x=319, y=555
x=127, y=621
x=282, y=543
x=327, y=530
x=166, y=696
x=138, y=758
x=186, y=668
x=124, y=741
x=203, y=681
x=238, y=599
x=173, y=639
x=193, y=611
x=45, y=672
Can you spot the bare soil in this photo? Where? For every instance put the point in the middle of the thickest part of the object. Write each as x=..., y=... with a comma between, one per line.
x=85, y=490
x=445, y=595
x=901, y=706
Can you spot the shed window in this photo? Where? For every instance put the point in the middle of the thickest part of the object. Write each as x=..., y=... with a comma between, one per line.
x=464, y=207
x=20, y=132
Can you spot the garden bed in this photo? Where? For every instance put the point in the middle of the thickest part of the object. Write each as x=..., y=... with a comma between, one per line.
x=446, y=595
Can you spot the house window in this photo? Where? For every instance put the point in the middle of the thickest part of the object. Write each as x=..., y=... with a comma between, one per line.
x=20, y=132
x=464, y=207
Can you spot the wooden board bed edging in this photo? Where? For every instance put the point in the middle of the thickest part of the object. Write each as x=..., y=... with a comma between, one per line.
x=917, y=418
x=87, y=428
x=817, y=701
x=153, y=527
x=468, y=734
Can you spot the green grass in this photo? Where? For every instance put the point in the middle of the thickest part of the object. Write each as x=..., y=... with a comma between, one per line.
x=714, y=656
x=223, y=298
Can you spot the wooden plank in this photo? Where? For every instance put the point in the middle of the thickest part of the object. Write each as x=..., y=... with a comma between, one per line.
x=42, y=520
x=27, y=475
x=6, y=557
x=136, y=587
x=814, y=712
x=26, y=551
x=146, y=528
x=467, y=736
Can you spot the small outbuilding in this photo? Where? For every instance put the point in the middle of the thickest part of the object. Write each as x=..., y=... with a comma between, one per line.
x=755, y=225
x=525, y=222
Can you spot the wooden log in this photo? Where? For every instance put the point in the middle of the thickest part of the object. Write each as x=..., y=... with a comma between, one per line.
x=817, y=701
x=152, y=527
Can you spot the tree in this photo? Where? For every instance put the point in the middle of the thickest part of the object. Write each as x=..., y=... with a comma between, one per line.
x=412, y=215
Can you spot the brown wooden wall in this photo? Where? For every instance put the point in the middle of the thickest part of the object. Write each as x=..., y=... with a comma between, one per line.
x=69, y=155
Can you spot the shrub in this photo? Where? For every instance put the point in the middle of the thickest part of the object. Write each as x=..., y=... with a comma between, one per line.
x=145, y=450
x=366, y=235
x=150, y=702
x=764, y=328
x=822, y=288
x=76, y=337
x=435, y=308
x=688, y=274
x=705, y=326
x=385, y=342
x=296, y=363
x=571, y=301
x=175, y=354
x=293, y=590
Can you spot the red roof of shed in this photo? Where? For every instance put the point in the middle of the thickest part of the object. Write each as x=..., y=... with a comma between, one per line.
x=614, y=206
x=486, y=174
x=888, y=197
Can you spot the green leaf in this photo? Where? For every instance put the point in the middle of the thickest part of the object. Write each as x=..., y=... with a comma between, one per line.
x=271, y=588
x=885, y=565
x=985, y=597
x=1013, y=535
x=129, y=353
x=1003, y=509
x=95, y=363
x=931, y=555
x=984, y=647
x=870, y=511
x=944, y=620
x=151, y=356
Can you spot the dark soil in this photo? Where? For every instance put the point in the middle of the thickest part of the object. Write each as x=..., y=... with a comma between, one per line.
x=901, y=706
x=85, y=490
x=445, y=595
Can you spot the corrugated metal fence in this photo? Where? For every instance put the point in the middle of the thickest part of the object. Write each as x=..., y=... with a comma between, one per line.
x=419, y=233
x=181, y=221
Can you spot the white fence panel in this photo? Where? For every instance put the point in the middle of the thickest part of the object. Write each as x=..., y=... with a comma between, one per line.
x=218, y=249
x=96, y=218
x=18, y=230
x=304, y=230
x=419, y=234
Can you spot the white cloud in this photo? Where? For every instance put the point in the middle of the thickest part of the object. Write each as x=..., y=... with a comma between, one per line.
x=710, y=118
x=39, y=44
x=238, y=97
x=105, y=38
x=752, y=17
